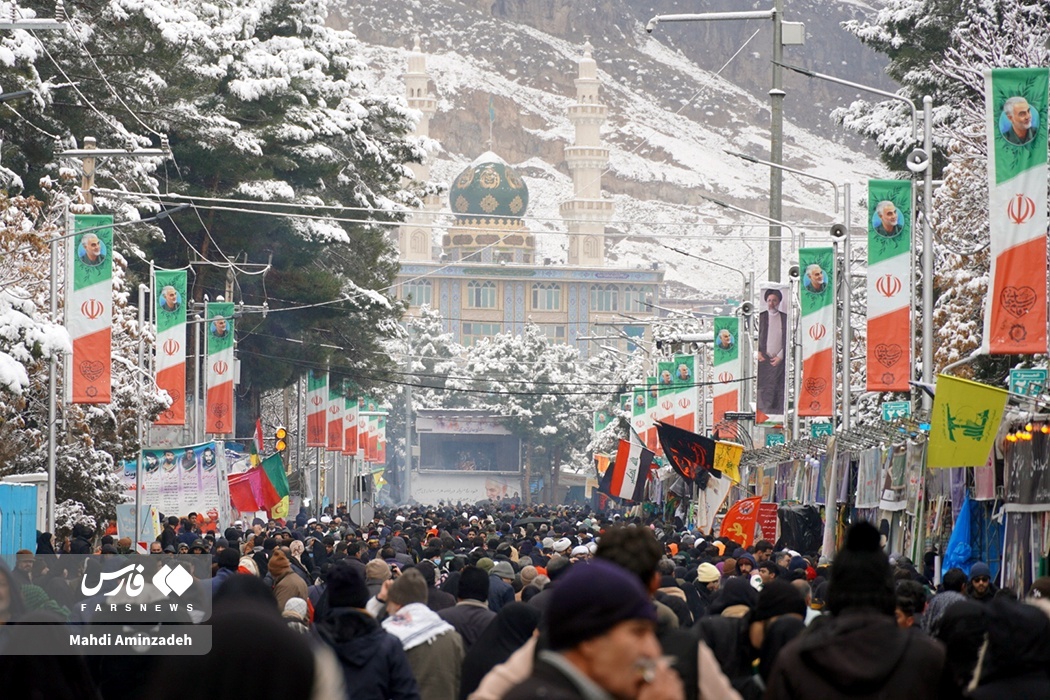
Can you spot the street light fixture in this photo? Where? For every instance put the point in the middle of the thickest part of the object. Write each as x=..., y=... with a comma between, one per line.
x=795, y=35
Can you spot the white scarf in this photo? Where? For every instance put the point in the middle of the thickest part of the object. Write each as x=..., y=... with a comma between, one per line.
x=415, y=624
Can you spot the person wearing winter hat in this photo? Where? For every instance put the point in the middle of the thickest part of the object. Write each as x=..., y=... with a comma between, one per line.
x=777, y=599
x=601, y=633
x=501, y=591
x=227, y=561
x=295, y=613
x=376, y=572
x=373, y=661
x=708, y=579
x=433, y=647
x=471, y=614
x=745, y=565
x=286, y=583
x=860, y=651
x=981, y=588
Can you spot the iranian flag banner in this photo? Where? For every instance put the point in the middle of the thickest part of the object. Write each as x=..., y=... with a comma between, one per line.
x=652, y=408
x=362, y=426
x=316, y=409
x=889, y=285
x=727, y=368
x=350, y=425
x=89, y=309
x=336, y=409
x=1016, y=114
x=639, y=414
x=817, y=397
x=170, y=286
x=381, y=449
x=665, y=394
x=686, y=392
x=372, y=452
x=219, y=369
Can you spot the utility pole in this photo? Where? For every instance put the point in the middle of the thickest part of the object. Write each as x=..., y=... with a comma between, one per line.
x=776, y=141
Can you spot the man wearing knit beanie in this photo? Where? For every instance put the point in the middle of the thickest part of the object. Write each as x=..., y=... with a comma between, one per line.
x=981, y=589
x=860, y=651
x=601, y=630
x=286, y=583
x=373, y=661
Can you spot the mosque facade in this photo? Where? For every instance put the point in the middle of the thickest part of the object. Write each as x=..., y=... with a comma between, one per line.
x=484, y=277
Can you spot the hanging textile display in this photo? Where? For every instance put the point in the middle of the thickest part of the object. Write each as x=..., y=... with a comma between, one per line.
x=171, y=343
x=219, y=369
x=89, y=310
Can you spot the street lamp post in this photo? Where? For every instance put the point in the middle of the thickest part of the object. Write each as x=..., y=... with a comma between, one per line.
x=919, y=160
x=795, y=36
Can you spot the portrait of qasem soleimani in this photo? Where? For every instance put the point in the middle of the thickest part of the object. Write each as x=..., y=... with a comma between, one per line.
x=814, y=280
x=1018, y=123
x=887, y=220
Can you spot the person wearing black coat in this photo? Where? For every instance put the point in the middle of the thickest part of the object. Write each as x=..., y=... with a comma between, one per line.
x=471, y=615
x=81, y=543
x=512, y=627
x=373, y=661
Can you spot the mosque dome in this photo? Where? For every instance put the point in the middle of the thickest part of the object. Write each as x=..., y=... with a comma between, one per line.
x=489, y=188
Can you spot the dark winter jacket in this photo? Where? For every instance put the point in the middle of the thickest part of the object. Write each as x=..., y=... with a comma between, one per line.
x=500, y=593
x=374, y=664
x=81, y=543
x=470, y=618
x=438, y=600
x=1015, y=662
x=859, y=654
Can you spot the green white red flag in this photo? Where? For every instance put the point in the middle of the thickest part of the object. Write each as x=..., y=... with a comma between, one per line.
x=350, y=425
x=89, y=309
x=219, y=368
x=1016, y=119
x=316, y=409
x=686, y=391
x=170, y=286
x=889, y=285
x=727, y=367
x=336, y=409
x=817, y=397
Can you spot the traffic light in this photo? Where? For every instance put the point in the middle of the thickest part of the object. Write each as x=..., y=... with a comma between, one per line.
x=280, y=439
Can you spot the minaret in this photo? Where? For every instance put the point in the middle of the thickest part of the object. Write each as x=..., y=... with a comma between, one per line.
x=415, y=235
x=586, y=214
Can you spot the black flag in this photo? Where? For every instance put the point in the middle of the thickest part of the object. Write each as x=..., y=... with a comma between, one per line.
x=689, y=453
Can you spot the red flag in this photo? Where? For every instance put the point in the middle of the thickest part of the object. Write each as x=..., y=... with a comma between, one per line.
x=739, y=521
x=241, y=495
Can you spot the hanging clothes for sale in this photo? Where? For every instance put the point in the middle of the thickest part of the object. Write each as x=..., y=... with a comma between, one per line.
x=868, y=478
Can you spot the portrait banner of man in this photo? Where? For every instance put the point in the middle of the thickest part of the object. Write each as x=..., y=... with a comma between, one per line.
x=817, y=331
x=774, y=342
x=687, y=390
x=727, y=368
x=171, y=343
x=665, y=393
x=219, y=368
x=889, y=285
x=1015, y=319
x=89, y=309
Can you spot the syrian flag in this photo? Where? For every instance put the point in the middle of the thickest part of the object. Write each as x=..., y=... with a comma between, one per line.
x=689, y=454
x=626, y=478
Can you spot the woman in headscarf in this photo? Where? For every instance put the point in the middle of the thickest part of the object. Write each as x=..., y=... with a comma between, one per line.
x=507, y=632
x=295, y=558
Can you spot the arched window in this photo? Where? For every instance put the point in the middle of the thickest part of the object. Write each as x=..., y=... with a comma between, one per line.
x=481, y=295
x=418, y=292
x=636, y=298
x=590, y=247
x=604, y=297
x=546, y=297
x=419, y=242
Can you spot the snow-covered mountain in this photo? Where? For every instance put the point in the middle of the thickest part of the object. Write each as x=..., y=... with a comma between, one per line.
x=670, y=120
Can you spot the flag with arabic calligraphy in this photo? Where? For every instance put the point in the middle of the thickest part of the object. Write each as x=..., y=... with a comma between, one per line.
x=740, y=520
x=89, y=309
x=316, y=409
x=889, y=285
x=219, y=370
x=687, y=452
x=1016, y=122
x=170, y=286
x=627, y=476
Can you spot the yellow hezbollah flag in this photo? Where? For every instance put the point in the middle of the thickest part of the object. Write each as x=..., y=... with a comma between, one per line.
x=727, y=459
x=966, y=418
x=280, y=510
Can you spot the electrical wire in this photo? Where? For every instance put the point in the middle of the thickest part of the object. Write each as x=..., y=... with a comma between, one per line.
x=357, y=374
x=45, y=133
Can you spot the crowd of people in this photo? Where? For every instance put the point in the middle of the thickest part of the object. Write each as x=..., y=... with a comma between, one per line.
x=504, y=601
